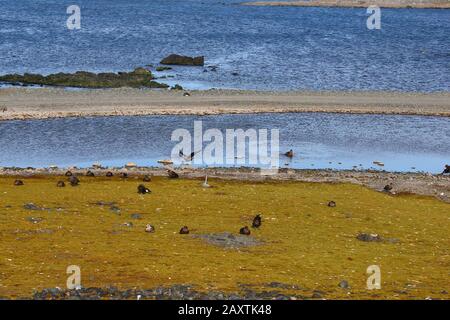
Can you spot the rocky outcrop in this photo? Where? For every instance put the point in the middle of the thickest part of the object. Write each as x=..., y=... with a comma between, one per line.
x=137, y=78
x=175, y=59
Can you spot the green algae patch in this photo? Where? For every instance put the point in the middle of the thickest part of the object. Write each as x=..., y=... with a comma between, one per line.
x=304, y=245
x=139, y=78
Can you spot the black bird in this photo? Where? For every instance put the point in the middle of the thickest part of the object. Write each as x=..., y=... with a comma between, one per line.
x=184, y=230
x=74, y=181
x=245, y=231
x=187, y=157
x=143, y=190
x=446, y=170
x=256, y=221
x=388, y=188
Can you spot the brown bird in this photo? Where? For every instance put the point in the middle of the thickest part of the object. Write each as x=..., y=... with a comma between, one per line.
x=143, y=190
x=184, y=230
x=89, y=173
x=74, y=181
x=256, y=221
x=172, y=174
x=245, y=231
x=18, y=183
x=289, y=154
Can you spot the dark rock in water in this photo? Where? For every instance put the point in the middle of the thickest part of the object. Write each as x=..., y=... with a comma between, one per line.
x=159, y=69
x=344, y=284
x=257, y=221
x=74, y=181
x=136, y=216
x=68, y=173
x=143, y=190
x=184, y=230
x=60, y=184
x=175, y=59
x=366, y=237
x=245, y=231
x=147, y=178
x=176, y=87
x=89, y=173
x=109, y=174
x=138, y=78
x=34, y=220
x=18, y=183
x=228, y=240
x=332, y=204
x=172, y=174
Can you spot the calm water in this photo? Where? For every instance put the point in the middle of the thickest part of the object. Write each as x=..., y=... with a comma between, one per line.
x=400, y=142
x=269, y=48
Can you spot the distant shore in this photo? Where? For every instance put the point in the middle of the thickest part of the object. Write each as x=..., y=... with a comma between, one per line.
x=27, y=103
x=421, y=4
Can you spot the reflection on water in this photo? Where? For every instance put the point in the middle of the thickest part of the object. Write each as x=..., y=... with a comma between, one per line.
x=319, y=140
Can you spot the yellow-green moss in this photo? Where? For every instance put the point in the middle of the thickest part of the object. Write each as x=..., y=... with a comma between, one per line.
x=306, y=243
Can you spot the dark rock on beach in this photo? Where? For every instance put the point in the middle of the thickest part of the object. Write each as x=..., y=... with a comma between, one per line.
x=138, y=78
x=175, y=59
x=366, y=237
x=174, y=292
x=228, y=240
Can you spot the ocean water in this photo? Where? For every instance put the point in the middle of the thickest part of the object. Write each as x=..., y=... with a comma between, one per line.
x=319, y=140
x=264, y=48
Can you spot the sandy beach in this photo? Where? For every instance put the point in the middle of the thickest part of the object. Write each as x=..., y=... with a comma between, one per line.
x=30, y=103
x=421, y=4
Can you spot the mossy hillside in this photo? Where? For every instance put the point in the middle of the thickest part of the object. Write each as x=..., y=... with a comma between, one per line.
x=305, y=242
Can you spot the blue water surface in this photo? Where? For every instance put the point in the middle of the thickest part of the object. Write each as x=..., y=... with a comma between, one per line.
x=265, y=48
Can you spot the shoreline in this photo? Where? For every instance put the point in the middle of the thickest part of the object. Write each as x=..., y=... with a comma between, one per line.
x=414, y=183
x=396, y=4
x=45, y=103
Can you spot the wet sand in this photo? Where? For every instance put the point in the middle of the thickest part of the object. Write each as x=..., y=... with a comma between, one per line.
x=30, y=103
x=421, y=4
